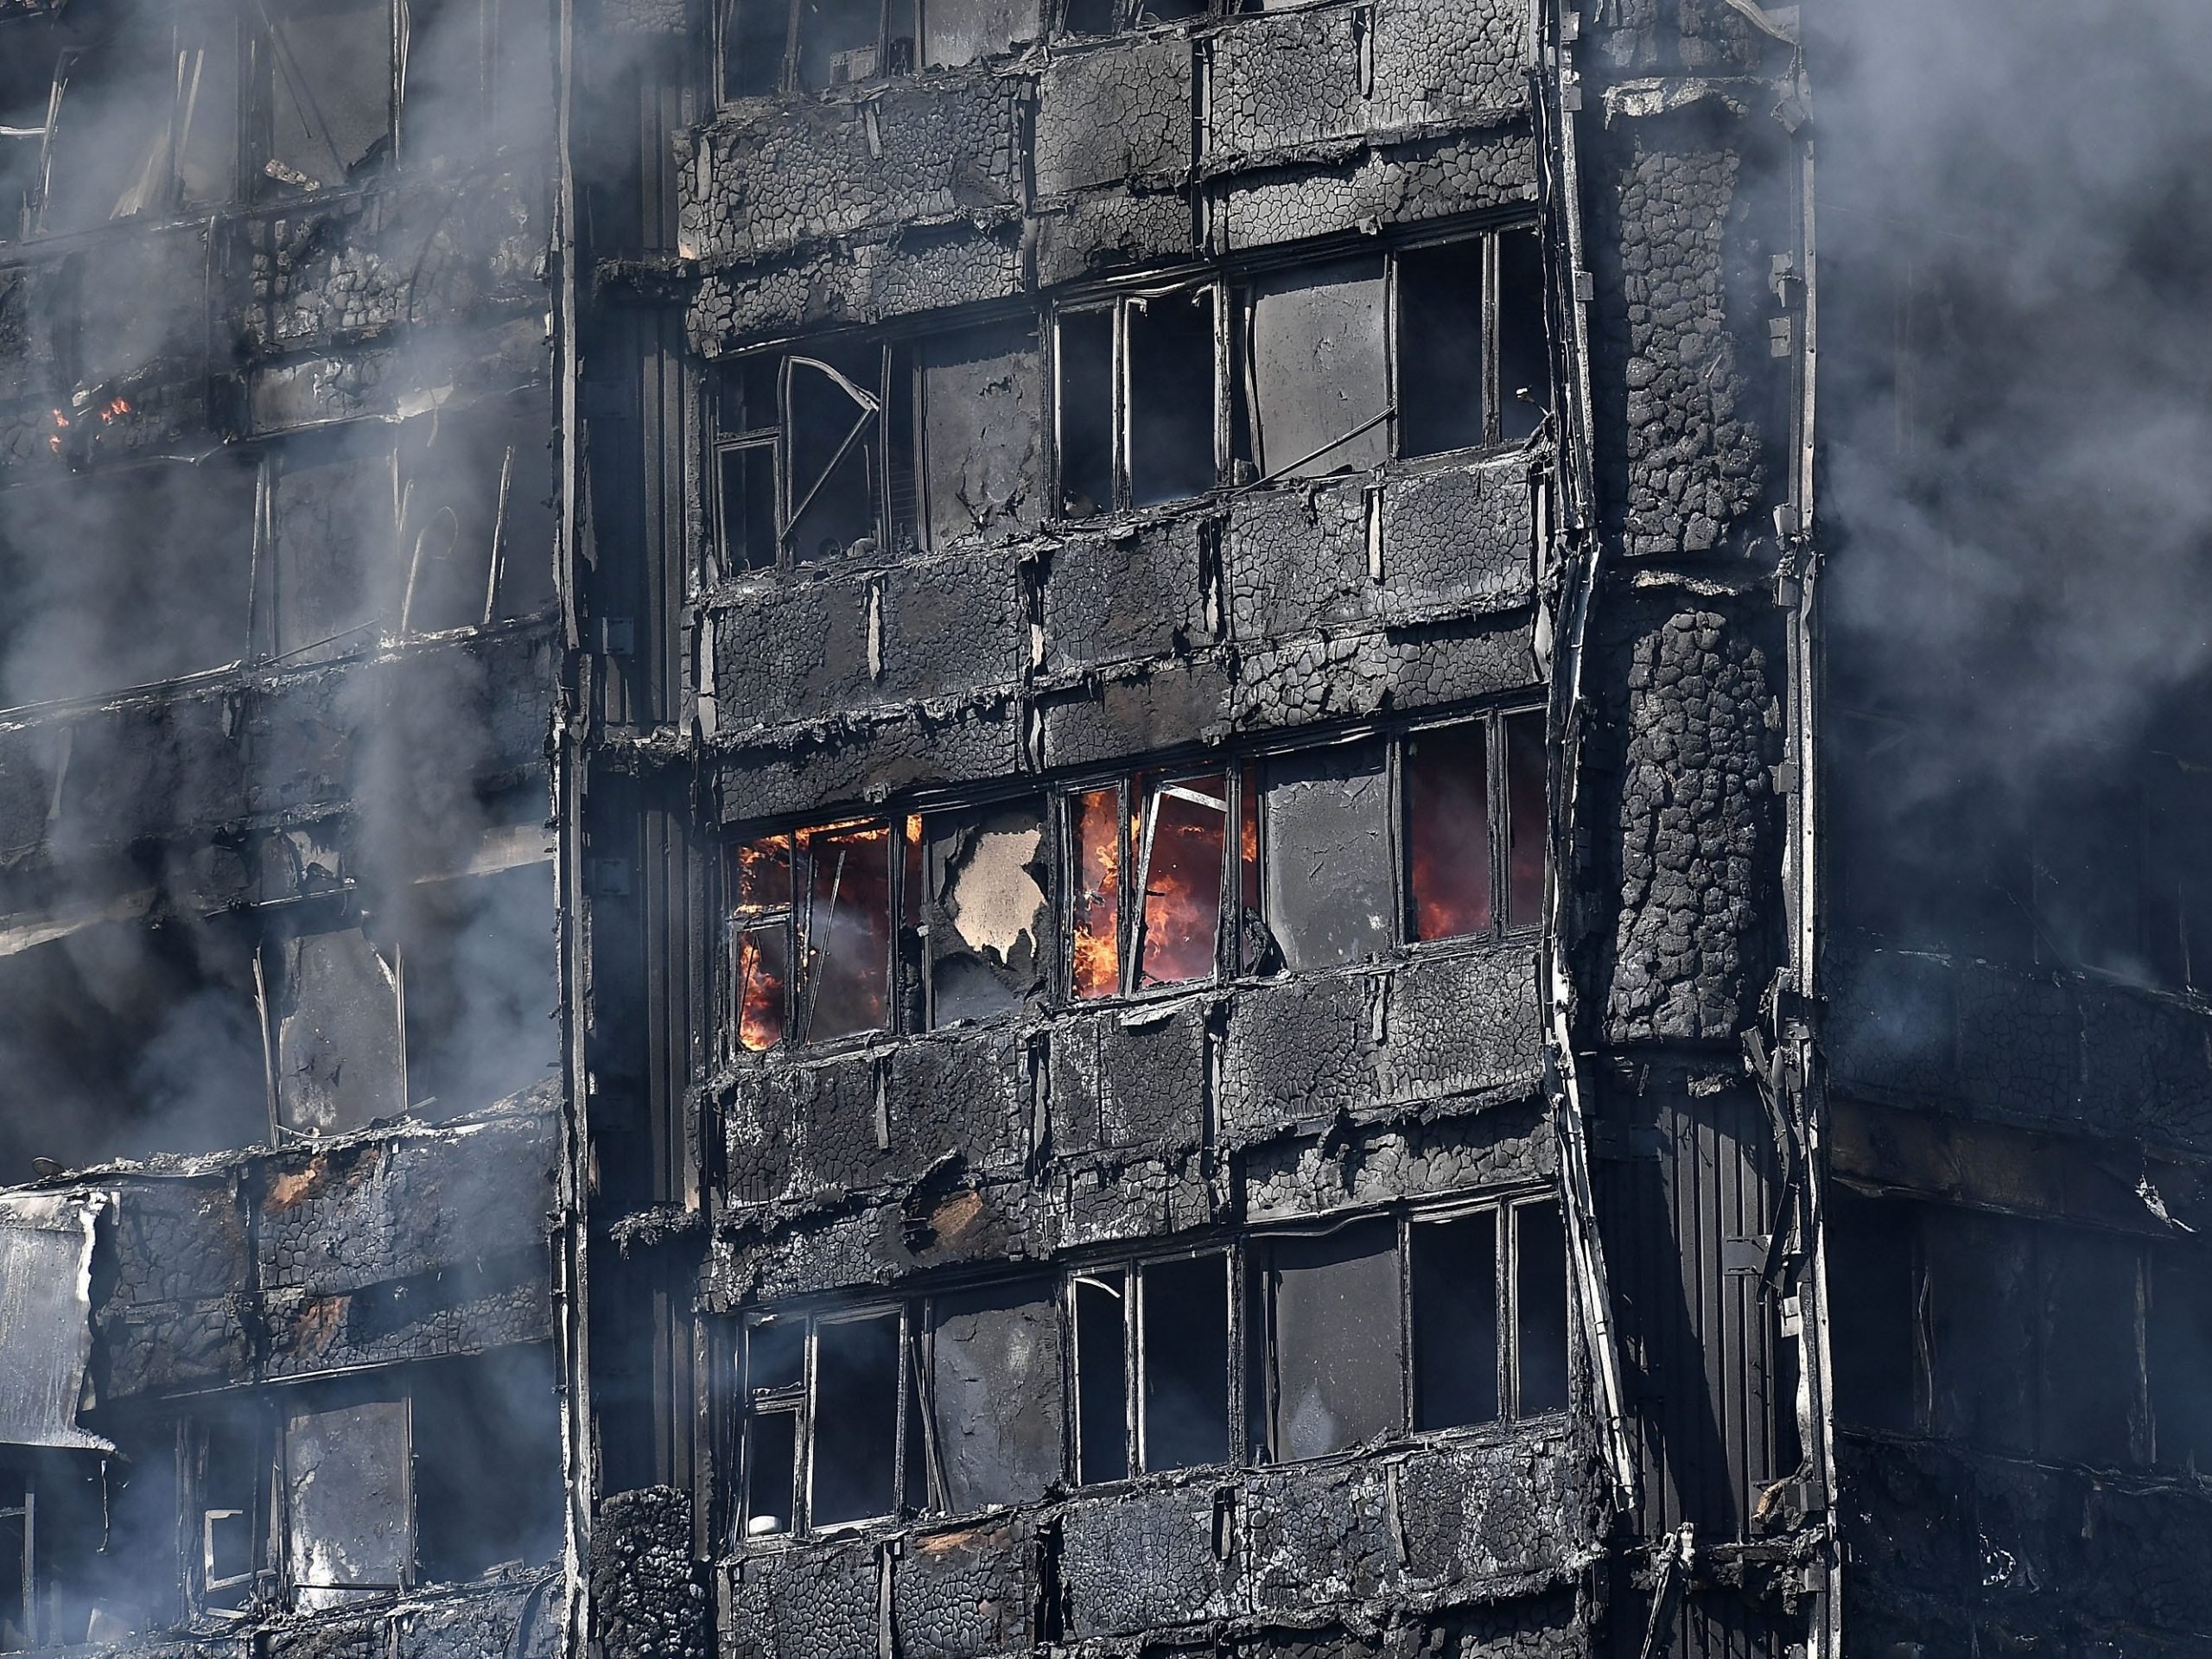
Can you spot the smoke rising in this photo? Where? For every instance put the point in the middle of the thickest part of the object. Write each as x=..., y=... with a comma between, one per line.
x=2014, y=423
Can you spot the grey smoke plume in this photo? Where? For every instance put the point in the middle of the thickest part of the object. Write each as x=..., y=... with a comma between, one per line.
x=2014, y=220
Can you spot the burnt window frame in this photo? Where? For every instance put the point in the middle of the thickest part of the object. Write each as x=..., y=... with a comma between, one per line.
x=1255, y=1342
x=1117, y=303
x=896, y=397
x=217, y=32
x=889, y=65
x=739, y=920
x=1132, y=1267
x=1128, y=15
x=1490, y=238
x=1130, y=787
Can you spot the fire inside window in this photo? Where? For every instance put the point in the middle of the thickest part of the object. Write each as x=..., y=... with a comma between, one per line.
x=1338, y=854
x=1277, y=1348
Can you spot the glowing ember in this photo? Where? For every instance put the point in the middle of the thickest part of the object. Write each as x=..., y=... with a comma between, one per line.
x=764, y=874
x=762, y=970
x=1095, y=819
x=1182, y=895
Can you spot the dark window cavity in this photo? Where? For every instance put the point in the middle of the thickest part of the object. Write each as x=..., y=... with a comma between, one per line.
x=1153, y=1367
x=1448, y=831
x=1136, y=402
x=1473, y=365
x=1457, y=1355
x=855, y=1424
x=1540, y=1309
x=1102, y=1422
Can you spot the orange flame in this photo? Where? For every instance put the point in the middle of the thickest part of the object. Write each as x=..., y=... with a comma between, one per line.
x=1447, y=789
x=1095, y=817
x=760, y=991
x=1182, y=895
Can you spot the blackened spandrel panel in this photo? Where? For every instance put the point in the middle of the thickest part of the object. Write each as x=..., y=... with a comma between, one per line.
x=1330, y=885
x=348, y=1501
x=336, y=1005
x=1337, y=1359
x=1524, y=372
x=1184, y=827
x=1319, y=370
x=1540, y=1308
x=844, y=986
x=1455, y=1321
x=1524, y=819
x=996, y=1391
x=1439, y=347
x=1985, y=1308
x=330, y=90
x=1101, y=1377
x=1447, y=831
x=1085, y=406
x=1170, y=387
x=856, y=1424
x=1185, y=1363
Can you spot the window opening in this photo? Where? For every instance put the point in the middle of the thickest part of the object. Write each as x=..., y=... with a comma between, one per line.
x=1330, y=887
x=1524, y=363
x=1444, y=397
x=1540, y=1309
x=1179, y=868
x=769, y=46
x=812, y=934
x=853, y=1431
x=1101, y=1377
x=832, y=478
x=1525, y=821
x=1183, y=1420
x=1085, y=408
x=1447, y=831
x=326, y=83
x=1314, y=353
x=1095, y=832
x=1169, y=396
x=1457, y=1353
x=986, y=913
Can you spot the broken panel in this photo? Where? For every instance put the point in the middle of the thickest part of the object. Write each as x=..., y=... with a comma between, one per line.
x=1328, y=1313
x=326, y=84
x=987, y=919
x=1167, y=383
x=957, y=32
x=2180, y=1333
x=340, y=1056
x=1447, y=831
x=2089, y=1402
x=228, y=1458
x=479, y=975
x=1457, y=1353
x=1180, y=849
x=1540, y=1353
x=1182, y=1407
x=348, y=1501
x=748, y=418
x=1102, y=1377
x=854, y=1419
x=335, y=581
x=1319, y=370
x=1084, y=407
x=981, y=425
x=488, y=1467
x=126, y=1039
x=1331, y=881
x=993, y=1393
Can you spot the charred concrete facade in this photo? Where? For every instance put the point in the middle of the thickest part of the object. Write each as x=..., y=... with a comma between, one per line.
x=983, y=826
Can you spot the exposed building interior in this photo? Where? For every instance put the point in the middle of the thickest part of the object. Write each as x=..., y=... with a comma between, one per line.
x=935, y=828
